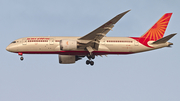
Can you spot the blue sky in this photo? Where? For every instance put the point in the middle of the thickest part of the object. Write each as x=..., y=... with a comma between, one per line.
x=150, y=76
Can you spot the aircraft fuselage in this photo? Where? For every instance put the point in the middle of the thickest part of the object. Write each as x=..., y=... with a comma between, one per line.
x=51, y=45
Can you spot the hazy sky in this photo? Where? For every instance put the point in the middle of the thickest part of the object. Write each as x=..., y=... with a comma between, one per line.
x=148, y=76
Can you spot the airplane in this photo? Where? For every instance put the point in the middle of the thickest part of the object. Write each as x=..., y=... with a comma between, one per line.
x=95, y=43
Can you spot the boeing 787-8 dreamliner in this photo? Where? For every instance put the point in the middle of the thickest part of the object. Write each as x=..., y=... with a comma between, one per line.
x=72, y=49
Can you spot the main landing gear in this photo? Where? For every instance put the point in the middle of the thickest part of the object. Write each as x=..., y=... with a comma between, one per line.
x=21, y=58
x=90, y=61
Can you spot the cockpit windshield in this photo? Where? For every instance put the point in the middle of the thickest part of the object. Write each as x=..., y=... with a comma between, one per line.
x=13, y=42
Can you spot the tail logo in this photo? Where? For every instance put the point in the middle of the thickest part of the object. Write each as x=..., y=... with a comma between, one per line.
x=158, y=29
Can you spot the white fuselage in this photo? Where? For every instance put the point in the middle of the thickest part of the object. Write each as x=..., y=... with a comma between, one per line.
x=51, y=45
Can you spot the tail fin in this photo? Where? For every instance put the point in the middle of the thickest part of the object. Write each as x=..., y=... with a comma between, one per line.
x=157, y=30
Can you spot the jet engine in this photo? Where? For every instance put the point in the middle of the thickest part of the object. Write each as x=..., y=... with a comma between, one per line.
x=68, y=44
x=68, y=59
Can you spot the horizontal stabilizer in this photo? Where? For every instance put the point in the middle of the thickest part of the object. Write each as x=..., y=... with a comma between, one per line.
x=164, y=39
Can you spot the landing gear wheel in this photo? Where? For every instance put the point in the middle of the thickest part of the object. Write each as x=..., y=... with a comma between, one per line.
x=92, y=63
x=21, y=58
x=89, y=56
x=93, y=56
x=87, y=62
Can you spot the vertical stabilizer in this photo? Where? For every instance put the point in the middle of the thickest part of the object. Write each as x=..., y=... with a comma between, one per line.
x=158, y=29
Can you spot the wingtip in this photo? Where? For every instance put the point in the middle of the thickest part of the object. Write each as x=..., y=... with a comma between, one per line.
x=128, y=10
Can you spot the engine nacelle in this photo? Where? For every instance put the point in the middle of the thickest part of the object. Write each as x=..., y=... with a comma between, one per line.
x=68, y=44
x=68, y=59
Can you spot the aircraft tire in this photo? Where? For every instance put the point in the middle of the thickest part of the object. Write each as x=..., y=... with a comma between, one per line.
x=21, y=58
x=92, y=63
x=89, y=56
x=93, y=56
x=87, y=62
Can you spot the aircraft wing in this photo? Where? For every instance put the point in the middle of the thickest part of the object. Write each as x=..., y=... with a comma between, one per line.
x=100, y=32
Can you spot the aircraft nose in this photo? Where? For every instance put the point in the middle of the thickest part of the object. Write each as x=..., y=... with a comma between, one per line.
x=8, y=48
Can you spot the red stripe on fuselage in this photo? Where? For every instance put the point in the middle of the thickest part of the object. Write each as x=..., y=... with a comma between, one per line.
x=142, y=41
x=74, y=52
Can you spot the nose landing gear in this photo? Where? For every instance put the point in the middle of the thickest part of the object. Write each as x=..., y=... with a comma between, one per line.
x=21, y=58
